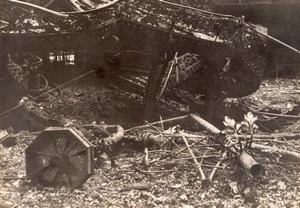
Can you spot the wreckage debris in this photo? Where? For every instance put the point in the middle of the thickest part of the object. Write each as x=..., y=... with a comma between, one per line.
x=64, y=156
x=250, y=164
x=184, y=35
x=186, y=143
x=6, y=139
x=193, y=122
x=59, y=156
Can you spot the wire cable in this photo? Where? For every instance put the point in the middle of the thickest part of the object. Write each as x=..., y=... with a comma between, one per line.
x=51, y=90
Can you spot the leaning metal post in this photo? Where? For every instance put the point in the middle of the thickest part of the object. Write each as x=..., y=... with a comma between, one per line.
x=151, y=91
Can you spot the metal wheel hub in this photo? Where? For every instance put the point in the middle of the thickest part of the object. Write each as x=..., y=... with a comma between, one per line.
x=59, y=156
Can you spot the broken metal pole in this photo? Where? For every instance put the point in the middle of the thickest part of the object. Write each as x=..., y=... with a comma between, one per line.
x=214, y=171
x=244, y=159
x=278, y=41
x=289, y=155
x=249, y=164
x=204, y=180
x=164, y=67
x=166, y=122
x=118, y=134
x=206, y=125
x=271, y=136
x=167, y=79
x=151, y=92
x=257, y=137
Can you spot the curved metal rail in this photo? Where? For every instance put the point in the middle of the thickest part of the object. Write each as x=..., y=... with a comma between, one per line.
x=160, y=26
x=96, y=8
x=35, y=7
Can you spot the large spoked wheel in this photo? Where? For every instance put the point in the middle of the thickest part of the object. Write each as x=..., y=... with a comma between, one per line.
x=59, y=156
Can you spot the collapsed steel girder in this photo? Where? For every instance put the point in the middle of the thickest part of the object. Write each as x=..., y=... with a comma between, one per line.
x=154, y=27
x=185, y=22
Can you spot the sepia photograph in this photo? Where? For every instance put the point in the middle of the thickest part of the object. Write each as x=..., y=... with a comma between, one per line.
x=149, y=103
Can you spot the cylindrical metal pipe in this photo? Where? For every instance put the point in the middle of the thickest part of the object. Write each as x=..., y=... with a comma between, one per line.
x=118, y=133
x=250, y=164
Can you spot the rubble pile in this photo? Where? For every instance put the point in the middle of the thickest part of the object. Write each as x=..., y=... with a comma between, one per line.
x=74, y=139
x=175, y=162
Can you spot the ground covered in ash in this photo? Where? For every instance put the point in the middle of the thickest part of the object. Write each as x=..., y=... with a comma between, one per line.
x=124, y=179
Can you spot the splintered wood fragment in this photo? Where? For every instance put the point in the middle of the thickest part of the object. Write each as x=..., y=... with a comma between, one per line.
x=153, y=171
x=154, y=127
x=179, y=135
x=170, y=121
x=183, y=162
x=200, y=157
x=189, y=135
x=217, y=166
x=173, y=154
x=198, y=166
x=214, y=171
x=162, y=124
x=146, y=158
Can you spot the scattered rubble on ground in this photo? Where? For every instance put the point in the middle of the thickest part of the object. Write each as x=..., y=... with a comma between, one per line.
x=134, y=173
x=80, y=143
x=153, y=167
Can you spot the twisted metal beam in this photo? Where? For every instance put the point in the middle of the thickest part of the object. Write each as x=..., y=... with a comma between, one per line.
x=35, y=7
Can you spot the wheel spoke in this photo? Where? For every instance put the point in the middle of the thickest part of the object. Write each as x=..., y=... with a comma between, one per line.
x=68, y=179
x=78, y=153
x=38, y=171
x=41, y=153
x=61, y=144
x=70, y=147
x=53, y=144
